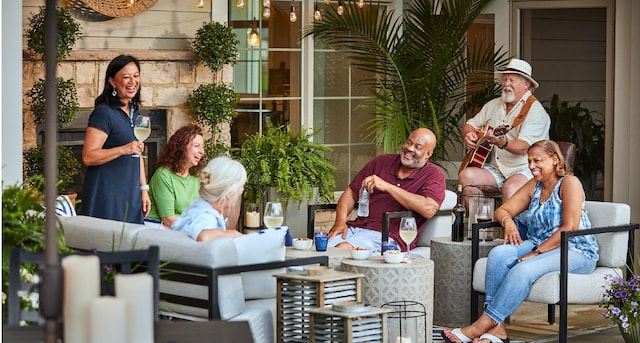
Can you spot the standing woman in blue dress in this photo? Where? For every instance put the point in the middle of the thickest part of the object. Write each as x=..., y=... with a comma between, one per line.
x=115, y=186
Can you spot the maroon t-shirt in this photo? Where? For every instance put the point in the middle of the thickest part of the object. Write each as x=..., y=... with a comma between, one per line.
x=428, y=181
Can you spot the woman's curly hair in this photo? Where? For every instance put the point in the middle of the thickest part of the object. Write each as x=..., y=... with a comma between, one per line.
x=173, y=154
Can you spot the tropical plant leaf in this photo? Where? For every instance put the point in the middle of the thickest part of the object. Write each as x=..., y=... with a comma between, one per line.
x=424, y=72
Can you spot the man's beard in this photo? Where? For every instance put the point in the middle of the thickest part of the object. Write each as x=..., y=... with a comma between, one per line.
x=414, y=163
x=508, y=97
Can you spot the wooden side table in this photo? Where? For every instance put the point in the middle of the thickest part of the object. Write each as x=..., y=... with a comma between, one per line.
x=297, y=293
x=328, y=325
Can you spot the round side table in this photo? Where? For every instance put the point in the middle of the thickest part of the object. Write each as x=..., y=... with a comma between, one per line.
x=452, y=304
x=384, y=283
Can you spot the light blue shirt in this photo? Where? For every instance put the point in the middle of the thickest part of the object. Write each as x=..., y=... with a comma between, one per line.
x=200, y=215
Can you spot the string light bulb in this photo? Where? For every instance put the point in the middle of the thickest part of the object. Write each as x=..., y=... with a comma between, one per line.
x=317, y=16
x=292, y=15
x=240, y=4
x=200, y=4
x=266, y=14
x=254, y=37
x=266, y=3
x=340, y=9
x=360, y=3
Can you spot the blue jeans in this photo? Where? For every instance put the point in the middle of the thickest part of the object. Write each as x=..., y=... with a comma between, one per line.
x=508, y=282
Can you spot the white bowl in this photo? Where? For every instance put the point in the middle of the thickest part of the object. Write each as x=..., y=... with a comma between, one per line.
x=360, y=254
x=302, y=243
x=393, y=256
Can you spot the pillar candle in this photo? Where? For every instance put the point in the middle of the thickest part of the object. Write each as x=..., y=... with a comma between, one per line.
x=108, y=320
x=81, y=287
x=137, y=290
x=252, y=219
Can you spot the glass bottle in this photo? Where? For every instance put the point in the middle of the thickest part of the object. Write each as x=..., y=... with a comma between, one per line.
x=363, y=206
x=457, y=227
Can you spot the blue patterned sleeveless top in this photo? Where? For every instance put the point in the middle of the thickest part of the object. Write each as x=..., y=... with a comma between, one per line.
x=545, y=218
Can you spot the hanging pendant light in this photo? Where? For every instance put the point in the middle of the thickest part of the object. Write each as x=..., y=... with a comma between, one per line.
x=360, y=3
x=340, y=9
x=292, y=15
x=254, y=37
x=200, y=4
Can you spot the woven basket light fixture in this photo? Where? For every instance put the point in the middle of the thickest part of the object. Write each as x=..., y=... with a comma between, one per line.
x=110, y=8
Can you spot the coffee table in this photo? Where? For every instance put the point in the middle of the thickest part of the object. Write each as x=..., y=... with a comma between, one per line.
x=384, y=283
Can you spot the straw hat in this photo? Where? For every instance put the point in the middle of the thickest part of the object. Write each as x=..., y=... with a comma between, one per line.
x=521, y=67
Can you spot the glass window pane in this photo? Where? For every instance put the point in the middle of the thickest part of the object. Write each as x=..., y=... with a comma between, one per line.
x=331, y=74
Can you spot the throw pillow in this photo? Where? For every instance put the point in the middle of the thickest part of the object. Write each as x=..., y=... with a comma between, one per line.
x=260, y=247
x=64, y=206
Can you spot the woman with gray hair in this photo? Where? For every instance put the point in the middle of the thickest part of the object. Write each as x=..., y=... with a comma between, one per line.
x=221, y=186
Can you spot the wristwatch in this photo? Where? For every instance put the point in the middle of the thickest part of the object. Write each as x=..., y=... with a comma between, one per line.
x=506, y=142
x=536, y=250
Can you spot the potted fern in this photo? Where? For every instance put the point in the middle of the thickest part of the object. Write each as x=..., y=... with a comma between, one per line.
x=290, y=163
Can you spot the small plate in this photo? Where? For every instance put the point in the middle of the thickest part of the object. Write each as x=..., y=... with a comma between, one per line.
x=351, y=307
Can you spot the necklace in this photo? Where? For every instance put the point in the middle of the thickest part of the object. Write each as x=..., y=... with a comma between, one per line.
x=131, y=114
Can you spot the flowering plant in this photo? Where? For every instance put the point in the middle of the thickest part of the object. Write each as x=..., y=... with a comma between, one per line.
x=620, y=301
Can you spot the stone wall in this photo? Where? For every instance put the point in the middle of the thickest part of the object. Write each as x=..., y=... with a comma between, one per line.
x=168, y=77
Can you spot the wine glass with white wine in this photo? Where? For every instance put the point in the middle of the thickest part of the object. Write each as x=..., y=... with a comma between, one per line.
x=273, y=215
x=142, y=129
x=408, y=232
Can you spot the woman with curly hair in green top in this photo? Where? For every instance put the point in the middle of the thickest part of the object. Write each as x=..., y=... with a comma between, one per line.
x=175, y=183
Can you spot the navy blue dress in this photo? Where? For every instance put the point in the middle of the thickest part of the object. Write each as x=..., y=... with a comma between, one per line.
x=112, y=189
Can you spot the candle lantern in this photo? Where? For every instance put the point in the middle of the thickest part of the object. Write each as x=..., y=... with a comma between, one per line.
x=407, y=323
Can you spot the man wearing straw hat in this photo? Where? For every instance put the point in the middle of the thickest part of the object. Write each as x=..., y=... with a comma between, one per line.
x=505, y=127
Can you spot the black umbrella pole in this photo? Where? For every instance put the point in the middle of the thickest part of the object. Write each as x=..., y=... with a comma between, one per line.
x=52, y=276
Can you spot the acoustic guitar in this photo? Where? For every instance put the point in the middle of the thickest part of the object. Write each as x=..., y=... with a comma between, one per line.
x=478, y=156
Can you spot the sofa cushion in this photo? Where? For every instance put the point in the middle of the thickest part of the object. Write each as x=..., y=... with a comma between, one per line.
x=260, y=247
x=89, y=233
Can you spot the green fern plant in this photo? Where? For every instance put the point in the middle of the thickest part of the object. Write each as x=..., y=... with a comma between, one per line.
x=289, y=162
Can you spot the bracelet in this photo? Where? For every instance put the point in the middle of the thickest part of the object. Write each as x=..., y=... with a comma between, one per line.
x=144, y=187
x=503, y=219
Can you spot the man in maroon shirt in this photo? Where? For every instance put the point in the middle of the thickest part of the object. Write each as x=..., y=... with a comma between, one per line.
x=396, y=182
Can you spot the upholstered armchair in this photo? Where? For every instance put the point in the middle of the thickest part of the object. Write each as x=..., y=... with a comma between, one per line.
x=615, y=236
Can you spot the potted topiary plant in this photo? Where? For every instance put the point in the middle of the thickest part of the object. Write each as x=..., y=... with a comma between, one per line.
x=68, y=105
x=68, y=32
x=580, y=126
x=68, y=168
x=212, y=105
x=215, y=45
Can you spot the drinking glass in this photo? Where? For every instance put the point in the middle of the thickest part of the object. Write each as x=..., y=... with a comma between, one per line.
x=484, y=214
x=273, y=215
x=408, y=232
x=142, y=129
